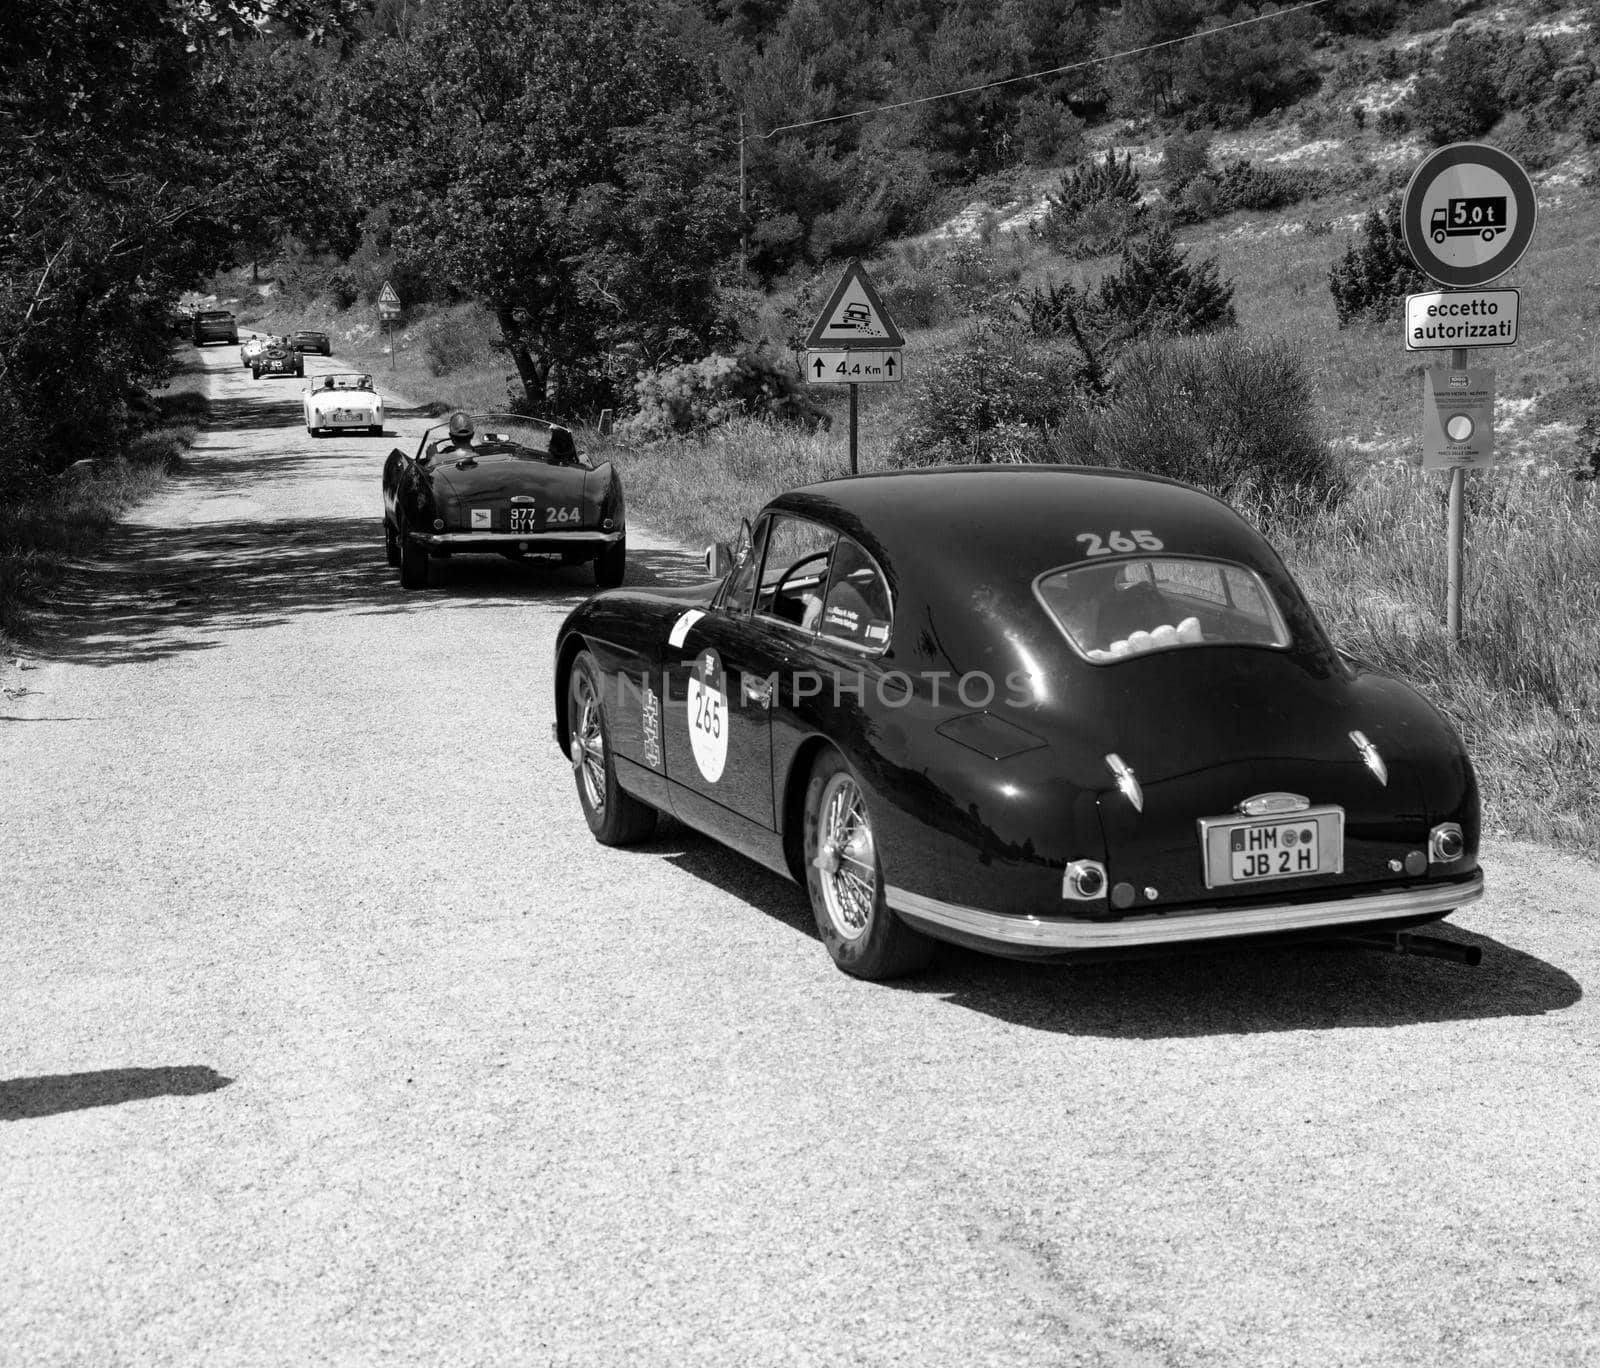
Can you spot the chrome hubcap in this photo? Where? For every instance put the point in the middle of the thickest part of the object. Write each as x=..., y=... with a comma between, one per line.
x=588, y=750
x=845, y=861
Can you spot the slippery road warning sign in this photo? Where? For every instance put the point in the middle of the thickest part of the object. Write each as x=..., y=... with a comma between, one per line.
x=854, y=316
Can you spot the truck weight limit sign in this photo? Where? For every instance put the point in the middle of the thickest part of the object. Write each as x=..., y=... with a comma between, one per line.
x=1468, y=214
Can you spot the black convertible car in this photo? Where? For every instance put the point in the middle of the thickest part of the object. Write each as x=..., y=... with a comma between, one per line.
x=1042, y=711
x=504, y=485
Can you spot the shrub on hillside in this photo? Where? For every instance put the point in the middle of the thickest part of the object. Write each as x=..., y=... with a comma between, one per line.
x=1183, y=157
x=1096, y=207
x=1048, y=133
x=1235, y=415
x=452, y=342
x=995, y=395
x=1529, y=139
x=1459, y=99
x=1240, y=185
x=704, y=394
x=1376, y=273
x=1155, y=289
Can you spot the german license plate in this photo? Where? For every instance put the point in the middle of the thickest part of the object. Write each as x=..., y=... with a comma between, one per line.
x=524, y=519
x=1247, y=850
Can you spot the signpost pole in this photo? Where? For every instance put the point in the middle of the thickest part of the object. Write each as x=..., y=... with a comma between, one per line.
x=1455, y=537
x=853, y=389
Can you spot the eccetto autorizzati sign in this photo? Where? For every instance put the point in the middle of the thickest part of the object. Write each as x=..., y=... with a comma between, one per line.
x=1461, y=318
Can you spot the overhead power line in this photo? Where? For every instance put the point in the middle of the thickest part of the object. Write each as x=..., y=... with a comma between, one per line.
x=1053, y=71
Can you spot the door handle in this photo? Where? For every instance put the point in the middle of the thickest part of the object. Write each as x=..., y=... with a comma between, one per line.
x=757, y=691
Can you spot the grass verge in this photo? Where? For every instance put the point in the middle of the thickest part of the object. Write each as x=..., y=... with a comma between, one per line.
x=40, y=536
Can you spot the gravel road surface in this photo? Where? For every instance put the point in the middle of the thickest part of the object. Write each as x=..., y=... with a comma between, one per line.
x=330, y=1036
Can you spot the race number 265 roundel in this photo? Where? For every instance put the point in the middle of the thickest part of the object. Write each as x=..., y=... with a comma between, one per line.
x=708, y=715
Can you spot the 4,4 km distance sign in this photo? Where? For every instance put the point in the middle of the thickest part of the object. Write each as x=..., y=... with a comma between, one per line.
x=1468, y=214
x=853, y=367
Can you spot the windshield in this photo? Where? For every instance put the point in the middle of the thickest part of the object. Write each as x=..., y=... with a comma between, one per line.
x=213, y=316
x=500, y=434
x=350, y=381
x=1113, y=611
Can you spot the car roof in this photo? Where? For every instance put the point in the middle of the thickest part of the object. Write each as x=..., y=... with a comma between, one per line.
x=967, y=517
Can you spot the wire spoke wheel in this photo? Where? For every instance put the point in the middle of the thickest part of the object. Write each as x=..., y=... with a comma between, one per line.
x=614, y=815
x=845, y=859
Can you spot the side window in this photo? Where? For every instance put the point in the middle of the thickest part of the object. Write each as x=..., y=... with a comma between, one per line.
x=794, y=573
x=856, y=608
x=742, y=591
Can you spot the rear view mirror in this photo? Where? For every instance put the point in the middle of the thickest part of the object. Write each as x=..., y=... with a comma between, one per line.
x=719, y=560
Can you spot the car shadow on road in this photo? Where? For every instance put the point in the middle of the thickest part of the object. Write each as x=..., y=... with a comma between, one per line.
x=159, y=591
x=1194, y=993
x=28, y=1099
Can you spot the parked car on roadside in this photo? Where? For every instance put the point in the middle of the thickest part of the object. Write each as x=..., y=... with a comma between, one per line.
x=504, y=485
x=1043, y=711
x=214, y=325
x=345, y=399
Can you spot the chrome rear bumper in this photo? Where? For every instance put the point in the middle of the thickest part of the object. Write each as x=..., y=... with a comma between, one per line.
x=1205, y=923
x=530, y=541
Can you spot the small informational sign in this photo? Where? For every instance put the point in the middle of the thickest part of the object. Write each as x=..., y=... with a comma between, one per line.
x=854, y=316
x=853, y=367
x=1468, y=214
x=1458, y=419
x=1461, y=318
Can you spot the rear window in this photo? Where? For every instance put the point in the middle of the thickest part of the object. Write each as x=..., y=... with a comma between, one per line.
x=216, y=318
x=1113, y=611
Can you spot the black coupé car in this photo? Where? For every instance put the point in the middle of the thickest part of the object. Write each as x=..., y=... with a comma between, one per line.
x=505, y=485
x=1046, y=712
x=277, y=357
x=307, y=340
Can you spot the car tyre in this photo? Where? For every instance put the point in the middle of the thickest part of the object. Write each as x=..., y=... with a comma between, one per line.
x=611, y=565
x=375, y=430
x=413, y=562
x=845, y=879
x=255, y=372
x=614, y=815
x=391, y=543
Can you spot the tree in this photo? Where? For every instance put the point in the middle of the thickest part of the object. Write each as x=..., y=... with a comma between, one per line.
x=587, y=198
x=1097, y=205
x=1375, y=274
x=1155, y=290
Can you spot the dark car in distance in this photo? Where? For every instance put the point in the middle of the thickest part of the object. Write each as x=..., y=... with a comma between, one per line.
x=500, y=484
x=277, y=357
x=214, y=325
x=1041, y=711
x=308, y=341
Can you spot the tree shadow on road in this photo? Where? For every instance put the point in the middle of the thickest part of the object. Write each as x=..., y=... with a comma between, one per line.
x=27, y=1099
x=1204, y=992
x=159, y=592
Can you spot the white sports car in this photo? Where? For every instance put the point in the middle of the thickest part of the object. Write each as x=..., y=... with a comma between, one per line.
x=343, y=400
x=251, y=348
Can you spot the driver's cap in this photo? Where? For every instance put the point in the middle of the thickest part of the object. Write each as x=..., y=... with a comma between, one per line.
x=460, y=424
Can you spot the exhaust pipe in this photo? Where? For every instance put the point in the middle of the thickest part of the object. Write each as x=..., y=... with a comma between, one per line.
x=1430, y=947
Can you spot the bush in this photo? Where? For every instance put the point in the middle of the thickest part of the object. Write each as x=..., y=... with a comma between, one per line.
x=1183, y=157
x=1459, y=100
x=1236, y=416
x=1528, y=138
x=1394, y=122
x=994, y=396
x=1096, y=208
x=452, y=342
x=1374, y=276
x=1156, y=290
x=1047, y=131
x=704, y=394
x=1241, y=185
